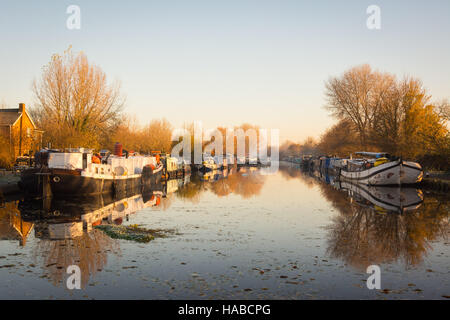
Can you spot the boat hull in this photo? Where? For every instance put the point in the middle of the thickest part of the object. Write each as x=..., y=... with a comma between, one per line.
x=391, y=173
x=67, y=183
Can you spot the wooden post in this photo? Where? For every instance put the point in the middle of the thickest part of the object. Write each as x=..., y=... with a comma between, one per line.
x=46, y=192
x=44, y=184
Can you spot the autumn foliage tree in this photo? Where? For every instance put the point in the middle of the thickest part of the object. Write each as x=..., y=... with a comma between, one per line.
x=340, y=140
x=382, y=113
x=155, y=136
x=291, y=149
x=76, y=106
x=6, y=156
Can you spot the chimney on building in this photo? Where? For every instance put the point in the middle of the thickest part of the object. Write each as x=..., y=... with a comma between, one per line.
x=21, y=107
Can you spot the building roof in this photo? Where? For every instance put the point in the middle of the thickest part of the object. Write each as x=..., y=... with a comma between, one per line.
x=10, y=116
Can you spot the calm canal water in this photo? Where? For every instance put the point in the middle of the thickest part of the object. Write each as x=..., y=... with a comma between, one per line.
x=241, y=235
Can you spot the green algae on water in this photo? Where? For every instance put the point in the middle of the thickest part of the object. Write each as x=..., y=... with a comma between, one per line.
x=133, y=233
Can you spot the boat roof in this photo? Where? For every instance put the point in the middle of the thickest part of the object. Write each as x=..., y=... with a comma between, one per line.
x=373, y=154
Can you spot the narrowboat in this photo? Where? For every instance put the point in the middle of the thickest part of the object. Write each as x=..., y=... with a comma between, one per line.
x=381, y=169
x=79, y=172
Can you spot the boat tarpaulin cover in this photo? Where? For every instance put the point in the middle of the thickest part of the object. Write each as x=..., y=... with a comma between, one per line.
x=373, y=154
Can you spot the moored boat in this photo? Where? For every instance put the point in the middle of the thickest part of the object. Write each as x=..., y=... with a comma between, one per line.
x=381, y=169
x=80, y=172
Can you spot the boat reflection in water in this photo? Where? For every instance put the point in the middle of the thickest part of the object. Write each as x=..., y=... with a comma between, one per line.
x=65, y=228
x=60, y=218
x=68, y=219
x=384, y=199
x=381, y=198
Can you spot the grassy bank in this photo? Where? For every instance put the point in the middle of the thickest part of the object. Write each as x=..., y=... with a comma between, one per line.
x=439, y=181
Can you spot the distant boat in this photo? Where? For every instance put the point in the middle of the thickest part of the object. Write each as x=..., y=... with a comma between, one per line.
x=176, y=167
x=241, y=160
x=380, y=169
x=251, y=161
x=208, y=164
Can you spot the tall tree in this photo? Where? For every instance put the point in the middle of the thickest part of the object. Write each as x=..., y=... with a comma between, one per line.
x=387, y=114
x=443, y=109
x=355, y=96
x=75, y=103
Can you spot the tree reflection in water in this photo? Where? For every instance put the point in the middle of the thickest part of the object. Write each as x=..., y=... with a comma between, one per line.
x=63, y=241
x=245, y=182
x=291, y=171
x=88, y=250
x=361, y=236
x=363, y=233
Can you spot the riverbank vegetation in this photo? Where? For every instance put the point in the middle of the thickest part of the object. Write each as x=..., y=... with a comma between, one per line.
x=6, y=158
x=77, y=106
x=376, y=111
x=75, y=103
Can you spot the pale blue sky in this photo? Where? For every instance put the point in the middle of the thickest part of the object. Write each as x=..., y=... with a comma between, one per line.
x=227, y=62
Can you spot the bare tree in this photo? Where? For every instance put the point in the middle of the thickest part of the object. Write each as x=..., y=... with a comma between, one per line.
x=76, y=105
x=443, y=109
x=357, y=96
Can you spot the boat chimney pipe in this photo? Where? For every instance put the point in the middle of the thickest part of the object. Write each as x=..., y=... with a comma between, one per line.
x=118, y=149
